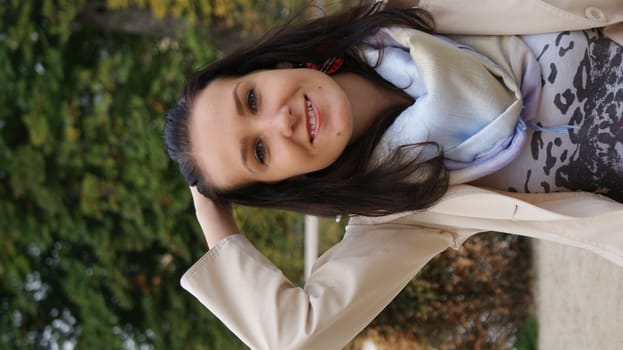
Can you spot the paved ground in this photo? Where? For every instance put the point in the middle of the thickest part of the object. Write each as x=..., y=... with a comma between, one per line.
x=579, y=298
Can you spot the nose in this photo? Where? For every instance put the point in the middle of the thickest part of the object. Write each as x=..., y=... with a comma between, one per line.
x=283, y=121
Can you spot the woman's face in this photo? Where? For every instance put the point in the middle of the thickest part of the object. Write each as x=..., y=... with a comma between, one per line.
x=268, y=126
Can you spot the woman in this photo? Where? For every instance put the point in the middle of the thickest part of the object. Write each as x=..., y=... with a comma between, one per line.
x=316, y=139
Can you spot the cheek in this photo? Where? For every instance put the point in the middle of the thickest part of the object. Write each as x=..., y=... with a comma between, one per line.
x=299, y=162
x=344, y=116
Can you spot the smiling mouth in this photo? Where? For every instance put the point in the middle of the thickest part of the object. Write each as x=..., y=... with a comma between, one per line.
x=313, y=120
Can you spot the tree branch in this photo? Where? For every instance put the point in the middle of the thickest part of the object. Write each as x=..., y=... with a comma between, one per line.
x=142, y=22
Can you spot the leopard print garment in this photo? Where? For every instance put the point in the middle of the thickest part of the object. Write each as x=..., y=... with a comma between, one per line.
x=582, y=78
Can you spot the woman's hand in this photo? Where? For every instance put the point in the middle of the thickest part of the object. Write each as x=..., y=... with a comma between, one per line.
x=216, y=221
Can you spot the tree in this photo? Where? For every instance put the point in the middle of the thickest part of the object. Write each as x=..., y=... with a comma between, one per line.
x=225, y=23
x=90, y=254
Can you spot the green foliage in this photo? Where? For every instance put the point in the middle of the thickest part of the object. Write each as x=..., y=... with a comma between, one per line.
x=527, y=337
x=245, y=14
x=96, y=224
x=278, y=234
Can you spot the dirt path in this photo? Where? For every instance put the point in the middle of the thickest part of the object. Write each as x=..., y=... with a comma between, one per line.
x=579, y=298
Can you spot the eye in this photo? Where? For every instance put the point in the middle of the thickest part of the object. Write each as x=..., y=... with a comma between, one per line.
x=252, y=100
x=259, y=151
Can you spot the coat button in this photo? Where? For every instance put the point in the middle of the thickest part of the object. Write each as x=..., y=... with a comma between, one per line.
x=595, y=14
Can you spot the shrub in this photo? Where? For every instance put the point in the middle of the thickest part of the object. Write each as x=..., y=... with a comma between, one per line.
x=476, y=297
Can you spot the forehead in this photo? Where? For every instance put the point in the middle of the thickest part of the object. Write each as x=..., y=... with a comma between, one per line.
x=214, y=135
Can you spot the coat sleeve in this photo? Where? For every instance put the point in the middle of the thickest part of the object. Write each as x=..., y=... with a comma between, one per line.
x=509, y=17
x=348, y=286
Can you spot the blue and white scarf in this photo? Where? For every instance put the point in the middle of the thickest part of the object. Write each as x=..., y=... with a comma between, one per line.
x=474, y=106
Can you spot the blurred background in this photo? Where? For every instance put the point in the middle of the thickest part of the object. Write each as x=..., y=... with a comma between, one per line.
x=97, y=227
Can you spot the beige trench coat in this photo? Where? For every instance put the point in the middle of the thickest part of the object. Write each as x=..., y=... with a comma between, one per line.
x=509, y=17
x=353, y=281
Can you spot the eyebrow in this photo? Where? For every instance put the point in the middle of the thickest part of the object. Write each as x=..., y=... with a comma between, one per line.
x=237, y=100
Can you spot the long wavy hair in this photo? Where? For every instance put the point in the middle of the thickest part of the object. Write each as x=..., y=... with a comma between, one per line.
x=351, y=185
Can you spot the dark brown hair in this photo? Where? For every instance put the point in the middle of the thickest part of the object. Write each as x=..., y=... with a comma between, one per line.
x=350, y=185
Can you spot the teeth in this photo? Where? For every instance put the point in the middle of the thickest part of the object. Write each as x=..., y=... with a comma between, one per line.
x=311, y=120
